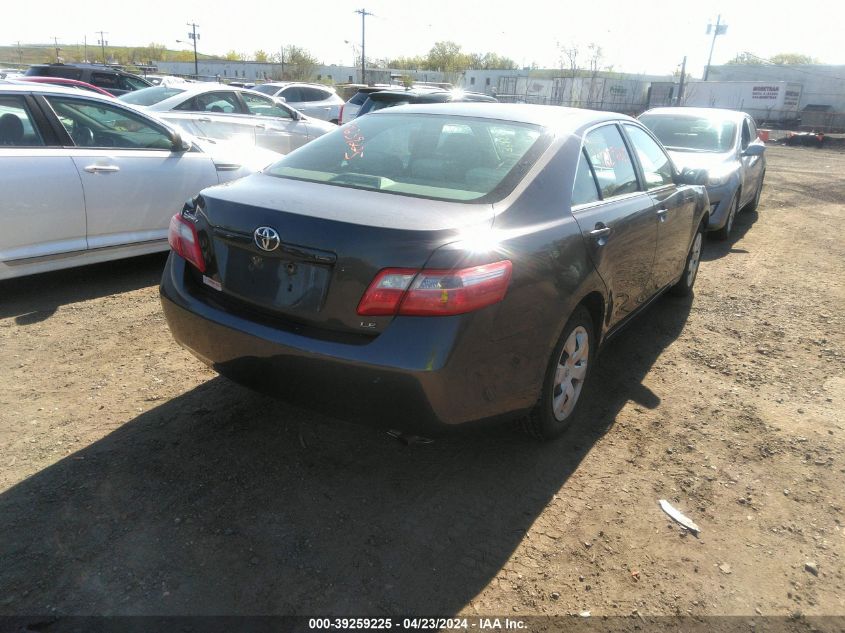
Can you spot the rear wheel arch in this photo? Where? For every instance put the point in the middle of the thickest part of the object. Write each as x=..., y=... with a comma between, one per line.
x=595, y=305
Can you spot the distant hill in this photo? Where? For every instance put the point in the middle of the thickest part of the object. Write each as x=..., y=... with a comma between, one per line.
x=71, y=53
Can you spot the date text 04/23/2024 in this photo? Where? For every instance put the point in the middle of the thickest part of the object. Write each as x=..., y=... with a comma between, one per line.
x=416, y=624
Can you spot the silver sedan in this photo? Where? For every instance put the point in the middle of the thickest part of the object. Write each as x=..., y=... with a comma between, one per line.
x=229, y=113
x=87, y=179
x=724, y=143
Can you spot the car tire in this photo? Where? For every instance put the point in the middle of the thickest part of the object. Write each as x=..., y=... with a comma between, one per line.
x=568, y=372
x=684, y=286
x=725, y=232
x=752, y=206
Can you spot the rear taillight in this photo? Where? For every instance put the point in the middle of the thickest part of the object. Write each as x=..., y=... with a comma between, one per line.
x=435, y=292
x=185, y=242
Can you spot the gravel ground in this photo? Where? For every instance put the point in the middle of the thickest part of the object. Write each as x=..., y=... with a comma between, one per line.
x=133, y=480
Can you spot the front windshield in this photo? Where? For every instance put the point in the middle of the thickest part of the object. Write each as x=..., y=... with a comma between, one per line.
x=150, y=96
x=691, y=133
x=267, y=89
x=431, y=156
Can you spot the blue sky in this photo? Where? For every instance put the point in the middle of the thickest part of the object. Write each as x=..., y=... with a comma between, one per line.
x=651, y=37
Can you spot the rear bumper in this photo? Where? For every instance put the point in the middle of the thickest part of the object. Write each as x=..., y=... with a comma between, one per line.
x=419, y=374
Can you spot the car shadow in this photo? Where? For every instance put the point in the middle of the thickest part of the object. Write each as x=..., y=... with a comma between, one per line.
x=223, y=501
x=714, y=249
x=36, y=298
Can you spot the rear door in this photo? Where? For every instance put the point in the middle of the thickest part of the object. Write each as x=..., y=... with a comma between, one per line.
x=132, y=180
x=275, y=127
x=221, y=115
x=617, y=219
x=675, y=205
x=43, y=209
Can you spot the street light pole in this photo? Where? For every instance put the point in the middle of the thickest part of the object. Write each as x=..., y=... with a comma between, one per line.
x=719, y=30
x=364, y=13
x=194, y=36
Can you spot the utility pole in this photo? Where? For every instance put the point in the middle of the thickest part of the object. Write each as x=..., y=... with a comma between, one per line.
x=683, y=81
x=56, y=44
x=20, y=53
x=364, y=13
x=85, y=42
x=720, y=29
x=282, y=53
x=103, y=43
x=193, y=35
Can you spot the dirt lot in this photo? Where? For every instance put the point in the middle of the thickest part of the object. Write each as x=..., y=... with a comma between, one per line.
x=135, y=481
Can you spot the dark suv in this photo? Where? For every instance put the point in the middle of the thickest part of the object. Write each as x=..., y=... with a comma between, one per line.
x=116, y=81
x=391, y=98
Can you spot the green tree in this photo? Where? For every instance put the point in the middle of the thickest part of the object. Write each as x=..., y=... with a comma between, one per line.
x=793, y=58
x=447, y=57
x=261, y=56
x=234, y=56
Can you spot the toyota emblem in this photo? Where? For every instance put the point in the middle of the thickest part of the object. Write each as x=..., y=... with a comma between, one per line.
x=266, y=239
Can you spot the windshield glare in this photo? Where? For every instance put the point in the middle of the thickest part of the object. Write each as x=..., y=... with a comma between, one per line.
x=682, y=132
x=150, y=96
x=431, y=156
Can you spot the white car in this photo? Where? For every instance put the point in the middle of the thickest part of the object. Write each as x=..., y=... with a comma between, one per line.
x=86, y=179
x=315, y=100
x=229, y=113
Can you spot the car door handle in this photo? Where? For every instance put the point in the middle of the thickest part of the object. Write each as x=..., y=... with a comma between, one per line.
x=204, y=119
x=600, y=231
x=661, y=213
x=260, y=126
x=106, y=169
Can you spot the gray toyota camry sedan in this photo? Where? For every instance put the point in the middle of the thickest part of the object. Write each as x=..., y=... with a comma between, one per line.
x=433, y=265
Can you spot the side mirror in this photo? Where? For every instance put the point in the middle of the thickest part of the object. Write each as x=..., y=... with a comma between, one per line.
x=178, y=144
x=692, y=177
x=755, y=149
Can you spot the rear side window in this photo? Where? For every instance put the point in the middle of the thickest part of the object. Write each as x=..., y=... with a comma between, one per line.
x=132, y=83
x=218, y=102
x=611, y=162
x=16, y=126
x=264, y=106
x=440, y=157
x=657, y=168
x=584, y=190
x=313, y=94
x=60, y=71
x=105, y=80
x=266, y=89
x=292, y=94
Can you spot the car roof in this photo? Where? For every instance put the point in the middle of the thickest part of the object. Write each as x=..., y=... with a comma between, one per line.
x=42, y=88
x=545, y=115
x=734, y=115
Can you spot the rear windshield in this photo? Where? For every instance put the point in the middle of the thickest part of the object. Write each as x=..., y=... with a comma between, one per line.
x=691, y=133
x=267, y=89
x=359, y=98
x=150, y=96
x=430, y=156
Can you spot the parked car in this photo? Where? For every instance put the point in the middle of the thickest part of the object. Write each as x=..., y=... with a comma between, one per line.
x=165, y=80
x=229, y=113
x=435, y=264
x=116, y=81
x=349, y=110
x=87, y=179
x=392, y=98
x=67, y=83
x=315, y=100
x=723, y=142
